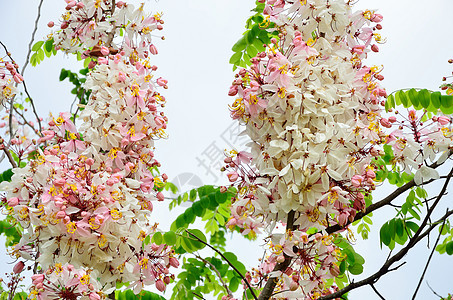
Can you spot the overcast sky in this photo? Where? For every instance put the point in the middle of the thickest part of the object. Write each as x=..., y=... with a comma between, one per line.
x=194, y=58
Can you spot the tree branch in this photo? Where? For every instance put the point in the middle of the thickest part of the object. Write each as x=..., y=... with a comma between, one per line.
x=269, y=287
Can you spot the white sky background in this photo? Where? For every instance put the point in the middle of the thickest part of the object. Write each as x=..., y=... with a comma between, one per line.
x=194, y=58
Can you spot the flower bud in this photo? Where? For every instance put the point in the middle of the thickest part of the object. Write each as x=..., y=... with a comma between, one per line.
x=13, y=201
x=18, y=267
x=374, y=48
x=160, y=285
x=443, y=120
x=160, y=196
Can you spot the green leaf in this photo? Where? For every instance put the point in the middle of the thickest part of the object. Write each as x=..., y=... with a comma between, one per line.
x=399, y=227
x=234, y=284
x=198, y=210
x=220, y=219
x=449, y=248
x=424, y=97
x=356, y=269
x=193, y=195
x=157, y=238
x=170, y=238
x=236, y=58
x=37, y=46
x=63, y=74
x=391, y=100
x=221, y=197
x=384, y=235
x=195, y=242
x=446, y=104
x=413, y=97
x=41, y=54
x=239, y=45
x=435, y=99
x=48, y=46
x=412, y=226
x=249, y=37
x=251, y=50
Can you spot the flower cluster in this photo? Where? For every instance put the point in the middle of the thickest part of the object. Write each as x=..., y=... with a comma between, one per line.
x=66, y=282
x=313, y=112
x=9, y=78
x=85, y=198
x=418, y=141
x=87, y=25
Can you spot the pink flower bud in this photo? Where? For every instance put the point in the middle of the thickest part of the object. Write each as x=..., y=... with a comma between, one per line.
x=233, y=90
x=160, y=285
x=374, y=48
x=384, y=122
x=165, y=177
x=370, y=174
x=392, y=119
x=356, y=180
x=443, y=120
x=120, y=4
x=161, y=81
x=50, y=24
x=153, y=49
x=18, y=78
x=60, y=215
x=233, y=176
x=18, y=267
x=103, y=61
x=94, y=296
x=37, y=278
x=105, y=51
x=173, y=262
x=13, y=201
x=91, y=64
x=376, y=18
x=160, y=196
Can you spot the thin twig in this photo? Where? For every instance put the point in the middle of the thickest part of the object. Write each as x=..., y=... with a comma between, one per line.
x=226, y=259
x=217, y=273
x=434, y=292
x=10, y=158
x=32, y=38
x=429, y=260
x=376, y=291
